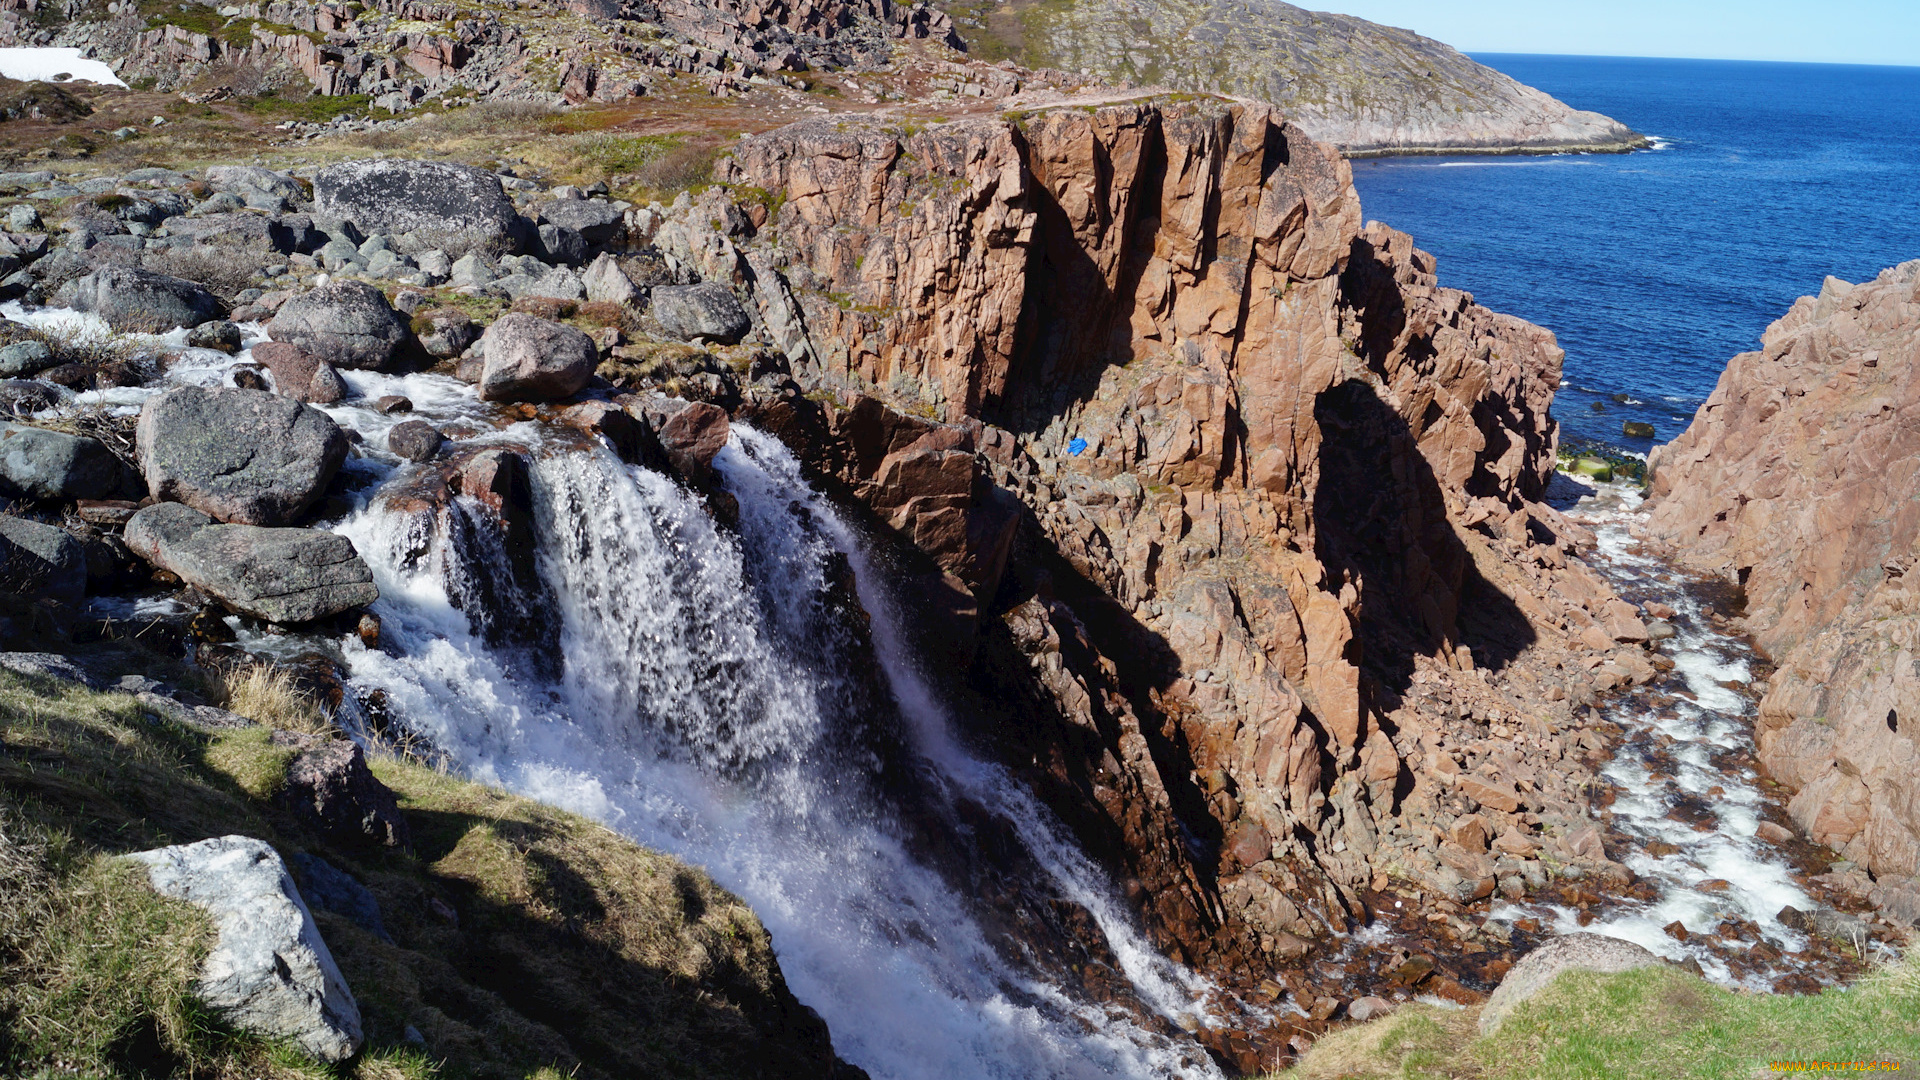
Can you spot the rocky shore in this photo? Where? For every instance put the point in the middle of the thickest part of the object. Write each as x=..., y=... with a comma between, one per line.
x=1222, y=526
x=1791, y=482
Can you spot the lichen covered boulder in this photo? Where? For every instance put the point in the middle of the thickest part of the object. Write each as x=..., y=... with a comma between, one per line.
x=280, y=575
x=270, y=973
x=243, y=456
x=348, y=324
x=130, y=298
x=533, y=359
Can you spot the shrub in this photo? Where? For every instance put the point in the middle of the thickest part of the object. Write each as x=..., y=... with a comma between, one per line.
x=603, y=313
x=225, y=269
x=546, y=307
x=502, y=118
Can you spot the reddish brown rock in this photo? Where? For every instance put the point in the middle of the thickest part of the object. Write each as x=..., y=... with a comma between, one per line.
x=330, y=788
x=1248, y=501
x=299, y=375
x=1796, y=481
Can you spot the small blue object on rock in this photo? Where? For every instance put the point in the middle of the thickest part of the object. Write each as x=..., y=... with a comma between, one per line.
x=1077, y=447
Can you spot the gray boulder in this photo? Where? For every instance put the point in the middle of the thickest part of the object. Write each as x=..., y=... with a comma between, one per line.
x=414, y=440
x=270, y=972
x=244, y=456
x=448, y=332
x=280, y=575
x=597, y=221
x=555, y=282
x=605, y=281
x=25, y=358
x=49, y=666
x=531, y=359
x=433, y=203
x=243, y=179
x=562, y=245
x=130, y=298
x=704, y=312
x=348, y=324
x=203, y=717
x=1537, y=969
x=39, y=560
x=39, y=464
x=32, y=395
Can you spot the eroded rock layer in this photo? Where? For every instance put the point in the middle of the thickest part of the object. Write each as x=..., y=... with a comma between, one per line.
x=1238, y=504
x=1796, y=481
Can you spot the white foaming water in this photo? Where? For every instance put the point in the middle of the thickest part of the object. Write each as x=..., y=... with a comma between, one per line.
x=687, y=718
x=759, y=464
x=1743, y=877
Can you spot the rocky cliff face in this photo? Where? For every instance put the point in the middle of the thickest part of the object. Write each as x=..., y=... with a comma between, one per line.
x=1795, y=480
x=1363, y=87
x=1226, y=481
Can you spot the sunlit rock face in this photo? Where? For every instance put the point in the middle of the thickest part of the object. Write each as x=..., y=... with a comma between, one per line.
x=1795, y=480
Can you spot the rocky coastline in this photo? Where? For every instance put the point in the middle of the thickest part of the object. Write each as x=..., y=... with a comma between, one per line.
x=1224, y=527
x=1789, y=484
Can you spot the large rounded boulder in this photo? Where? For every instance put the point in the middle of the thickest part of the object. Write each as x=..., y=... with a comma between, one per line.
x=532, y=359
x=705, y=312
x=133, y=299
x=40, y=464
x=443, y=202
x=348, y=324
x=38, y=560
x=244, y=456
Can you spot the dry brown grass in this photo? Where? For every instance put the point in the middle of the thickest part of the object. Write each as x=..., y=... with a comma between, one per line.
x=573, y=950
x=272, y=697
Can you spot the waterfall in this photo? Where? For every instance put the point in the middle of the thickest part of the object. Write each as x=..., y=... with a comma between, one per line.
x=703, y=707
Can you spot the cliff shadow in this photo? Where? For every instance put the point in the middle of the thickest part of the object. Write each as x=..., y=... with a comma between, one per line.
x=1382, y=522
x=1071, y=324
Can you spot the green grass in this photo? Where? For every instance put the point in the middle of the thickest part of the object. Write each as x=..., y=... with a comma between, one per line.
x=1656, y=1022
x=524, y=939
x=315, y=109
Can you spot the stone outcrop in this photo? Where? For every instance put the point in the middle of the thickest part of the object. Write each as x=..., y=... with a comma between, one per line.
x=281, y=575
x=1570, y=952
x=1795, y=481
x=243, y=456
x=133, y=299
x=41, y=464
x=348, y=324
x=270, y=972
x=1240, y=492
x=1363, y=87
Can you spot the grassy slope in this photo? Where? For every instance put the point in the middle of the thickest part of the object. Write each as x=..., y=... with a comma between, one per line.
x=1652, y=1022
x=571, y=951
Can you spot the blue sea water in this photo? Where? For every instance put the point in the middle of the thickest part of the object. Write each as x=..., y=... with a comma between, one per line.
x=1654, y=268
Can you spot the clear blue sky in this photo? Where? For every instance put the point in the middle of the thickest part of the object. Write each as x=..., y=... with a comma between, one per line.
x=1827, y=31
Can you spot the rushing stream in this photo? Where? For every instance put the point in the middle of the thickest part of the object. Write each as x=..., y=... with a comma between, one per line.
x=1686, y=792
x=692, y=687
x=700, y=710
